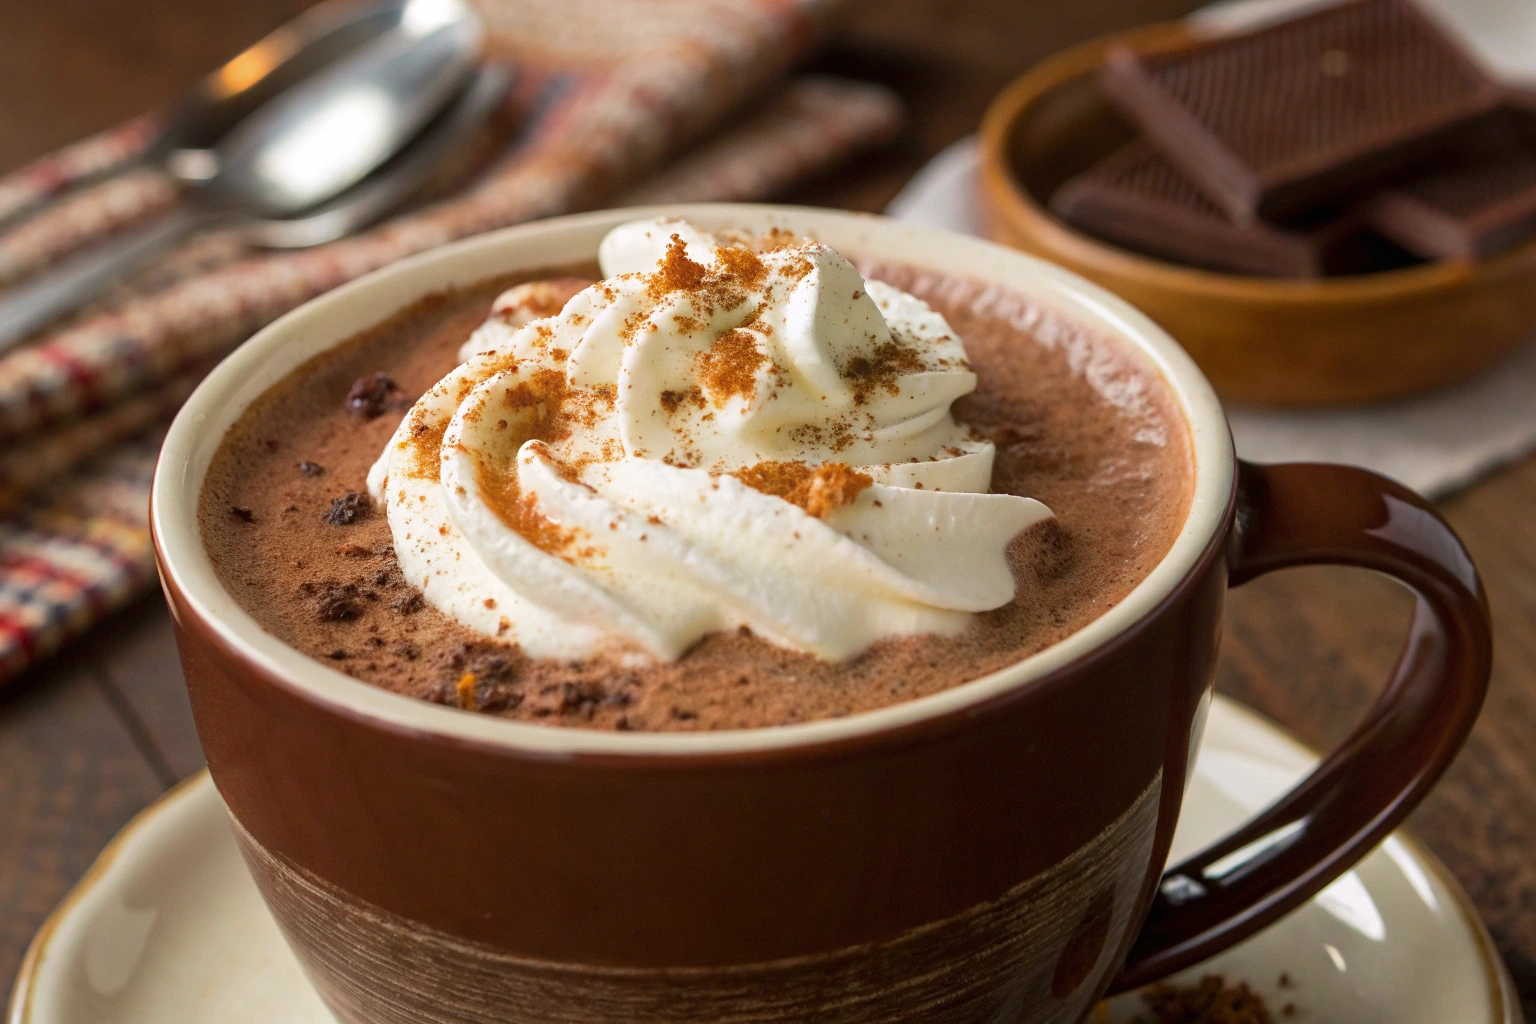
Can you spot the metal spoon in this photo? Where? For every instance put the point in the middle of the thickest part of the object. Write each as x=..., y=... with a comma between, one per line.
x=306, y=147
x=230, y=93
x=395, y=182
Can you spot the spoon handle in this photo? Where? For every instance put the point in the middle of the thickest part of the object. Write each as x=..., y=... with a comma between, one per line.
x=66, y=288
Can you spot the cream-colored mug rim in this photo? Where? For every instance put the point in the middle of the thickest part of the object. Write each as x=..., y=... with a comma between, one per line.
x=340, y=314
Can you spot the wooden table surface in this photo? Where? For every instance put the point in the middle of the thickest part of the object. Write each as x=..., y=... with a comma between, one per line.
x=98, y=733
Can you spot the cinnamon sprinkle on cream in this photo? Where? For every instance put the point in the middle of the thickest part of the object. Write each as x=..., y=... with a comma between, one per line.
x=427, y=441
x=743, y=265
x=819, y=491
x=520, y=512
x=729, y=367
x=676, y=272
x=882, y=368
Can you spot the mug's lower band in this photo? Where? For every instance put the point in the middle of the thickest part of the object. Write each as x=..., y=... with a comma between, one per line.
x=1038, y=954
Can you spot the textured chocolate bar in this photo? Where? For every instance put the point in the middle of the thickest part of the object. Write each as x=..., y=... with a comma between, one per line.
x=1138, y=199
x=1303, y=111
x=1476, y=200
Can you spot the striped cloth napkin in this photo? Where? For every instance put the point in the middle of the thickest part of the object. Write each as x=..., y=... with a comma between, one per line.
x=615, y=102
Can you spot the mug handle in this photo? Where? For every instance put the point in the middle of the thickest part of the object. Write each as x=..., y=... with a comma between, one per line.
x=1304, y=514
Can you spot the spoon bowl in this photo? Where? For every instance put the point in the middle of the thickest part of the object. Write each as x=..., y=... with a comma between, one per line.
x=313, y=142
x=301, y=150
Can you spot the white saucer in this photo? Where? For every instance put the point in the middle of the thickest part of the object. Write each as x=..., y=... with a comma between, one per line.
x=167, y=928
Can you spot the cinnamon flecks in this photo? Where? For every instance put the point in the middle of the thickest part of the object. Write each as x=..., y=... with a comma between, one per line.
x=348, y=509
x=882, y=368
x=426, y=443
x=545, y=394
x=728, y=368
x=520, y=512
x=485, y=677
x=760, y=241
x=464, y=691
x=369, y=397
x=311, y=468
x=709, y=289
x=676, y=272
x=242, y=513
x=819, y=491
x=743, y=265
x=672, y=401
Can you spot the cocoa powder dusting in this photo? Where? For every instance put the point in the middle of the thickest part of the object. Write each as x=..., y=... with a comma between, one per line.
x=1116, y=474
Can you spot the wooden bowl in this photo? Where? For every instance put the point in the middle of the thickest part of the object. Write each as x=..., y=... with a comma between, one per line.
x=1265, y=340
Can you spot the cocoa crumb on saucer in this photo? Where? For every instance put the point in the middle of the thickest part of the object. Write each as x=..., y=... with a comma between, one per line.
x=369, y=396
x=348, y=509
x=1210, y=1001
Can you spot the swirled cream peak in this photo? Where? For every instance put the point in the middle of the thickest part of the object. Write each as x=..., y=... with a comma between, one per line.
x=712, y=437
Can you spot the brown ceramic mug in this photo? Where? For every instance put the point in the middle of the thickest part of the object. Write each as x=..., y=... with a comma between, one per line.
x=991, y=853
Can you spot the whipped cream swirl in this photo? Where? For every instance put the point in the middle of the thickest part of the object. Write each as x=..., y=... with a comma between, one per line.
x=712, y=437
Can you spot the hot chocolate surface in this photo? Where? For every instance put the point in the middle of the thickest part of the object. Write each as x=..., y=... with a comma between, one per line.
x=1079, y=423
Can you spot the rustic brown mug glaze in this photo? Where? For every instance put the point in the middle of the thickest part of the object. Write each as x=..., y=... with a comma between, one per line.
x=992, y=853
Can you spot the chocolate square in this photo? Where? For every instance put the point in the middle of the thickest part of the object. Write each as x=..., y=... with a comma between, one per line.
x=1138, y=199
x=1304, y=111
x=1476, y=200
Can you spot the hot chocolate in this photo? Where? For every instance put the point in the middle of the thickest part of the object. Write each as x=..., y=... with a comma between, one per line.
x=546, y=539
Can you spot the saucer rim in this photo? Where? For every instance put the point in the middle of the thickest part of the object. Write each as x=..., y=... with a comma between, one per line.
x=19, y=1008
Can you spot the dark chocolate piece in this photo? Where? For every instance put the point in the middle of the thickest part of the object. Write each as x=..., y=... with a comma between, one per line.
x=369, y=396
x=1475, y=201
x=348, y=509
x=1138, y=199
x=1304, y=111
